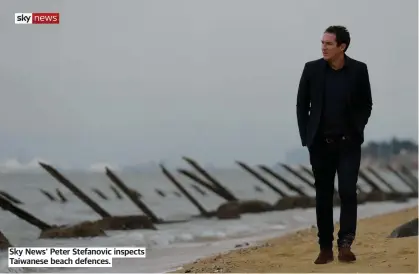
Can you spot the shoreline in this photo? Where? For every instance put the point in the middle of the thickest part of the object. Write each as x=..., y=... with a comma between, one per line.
x=296, y=250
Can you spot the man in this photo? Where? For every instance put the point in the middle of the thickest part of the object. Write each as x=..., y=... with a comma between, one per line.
x=333, y=107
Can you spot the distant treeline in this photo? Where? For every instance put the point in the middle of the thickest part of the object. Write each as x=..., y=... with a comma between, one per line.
x=389, y=148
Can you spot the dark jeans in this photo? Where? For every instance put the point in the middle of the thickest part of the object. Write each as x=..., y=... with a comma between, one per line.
x=328, y=156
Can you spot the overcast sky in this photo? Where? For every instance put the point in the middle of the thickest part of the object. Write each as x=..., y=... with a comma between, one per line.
x=131, y=81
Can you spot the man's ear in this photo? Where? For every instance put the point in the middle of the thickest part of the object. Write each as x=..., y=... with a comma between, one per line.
x=342, y=46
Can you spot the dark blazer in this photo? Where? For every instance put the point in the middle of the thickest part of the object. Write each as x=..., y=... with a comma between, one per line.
x=310, y=98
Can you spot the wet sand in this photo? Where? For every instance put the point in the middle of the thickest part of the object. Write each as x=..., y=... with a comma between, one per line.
x=296, y=252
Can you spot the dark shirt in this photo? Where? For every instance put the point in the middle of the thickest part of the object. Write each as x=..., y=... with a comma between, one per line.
x=334, y=120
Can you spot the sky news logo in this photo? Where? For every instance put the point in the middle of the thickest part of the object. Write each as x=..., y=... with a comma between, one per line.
x=37, y=18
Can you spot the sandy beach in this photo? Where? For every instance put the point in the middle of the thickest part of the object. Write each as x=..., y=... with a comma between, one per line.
x=296, y=252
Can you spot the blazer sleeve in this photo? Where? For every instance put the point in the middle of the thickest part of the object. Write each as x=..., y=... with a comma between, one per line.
x=366, y=99
x=303, y=105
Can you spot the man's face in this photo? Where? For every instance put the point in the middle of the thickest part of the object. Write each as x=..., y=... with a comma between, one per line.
x=330, y=48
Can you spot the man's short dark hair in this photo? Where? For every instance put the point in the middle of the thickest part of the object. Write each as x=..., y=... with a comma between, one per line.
x=342, y=35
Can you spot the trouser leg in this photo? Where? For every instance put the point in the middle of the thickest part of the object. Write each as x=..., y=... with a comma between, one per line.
x=348, y=168
x=323, y=159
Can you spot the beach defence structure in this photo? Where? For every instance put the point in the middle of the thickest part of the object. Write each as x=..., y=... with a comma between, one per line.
x=362, y=195
x=199, y=206
x=86, y=229
x=205, y=184
x=75, y=190
x=258, y=188
x=283, y=180
x=60, y=195
x=52, y=198
x=413, y=179
x=134, y=197
x=48, y=195
x=199, y=190
x=177, y=194
x=411, y=185
x=377, y=175
x=107, y=222
x=389, y=192
x=227, y=193
x=233, y=207
x=10, y=197
x=100, y=193
x=376, y=193
x=301, y=200
x=4, y=242
x=394, y=194
x=117, y=193
x=262, y=179
x=228, y=210
x=405, y=170
x=160, y=192
x=309, y=183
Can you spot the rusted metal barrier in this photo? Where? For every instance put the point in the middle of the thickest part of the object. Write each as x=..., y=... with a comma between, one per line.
x=403, y=179
x=160, y=192
x=286, y=201
x=4, y=242
x=308, y=171
x=134, y=196
x=262, y=179
x=11, y=198
x=100, y=193
x=394, y=193
x=409, y=174
x=302, y=178
x=192, y=199
x=336, y=200
x=88, y=229
x=177, y=194
x=234, y=207
x=258, y=189
x=76, y=191
x=376, y=194
x=63, y=199
x=205, y=184
x=283, y=180
x=48, y=195
x=121, y=185
x=210, y=178
x=117, y=194
x=311, y=174
x=199, y=190
x=22, y=214
x=107, y=222
x=301, y=200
